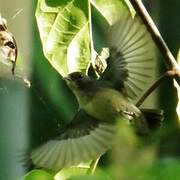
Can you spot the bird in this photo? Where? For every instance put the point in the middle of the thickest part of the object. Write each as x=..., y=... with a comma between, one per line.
x=8, y=47
x=106, y=99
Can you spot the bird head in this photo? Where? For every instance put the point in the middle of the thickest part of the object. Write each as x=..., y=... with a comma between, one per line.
x=81, y=85
x=8, y=47
x=77, y=81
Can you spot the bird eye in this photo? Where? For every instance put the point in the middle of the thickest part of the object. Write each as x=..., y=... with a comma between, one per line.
x=10, y=44
x=2, y=28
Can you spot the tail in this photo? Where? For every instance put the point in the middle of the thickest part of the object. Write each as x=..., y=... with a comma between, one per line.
x=153, y=118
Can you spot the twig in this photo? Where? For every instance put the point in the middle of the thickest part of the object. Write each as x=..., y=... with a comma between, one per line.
x=171, y=73
x=151, y=27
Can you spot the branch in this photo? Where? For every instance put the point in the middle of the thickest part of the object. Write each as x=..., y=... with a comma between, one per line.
x=171, y=73
x=160, y=43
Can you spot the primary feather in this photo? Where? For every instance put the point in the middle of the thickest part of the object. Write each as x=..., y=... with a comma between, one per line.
x=81, y=141
x=131, y=64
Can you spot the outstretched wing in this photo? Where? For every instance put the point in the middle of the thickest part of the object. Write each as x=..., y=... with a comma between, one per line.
x=83, y=140
x=131, y=64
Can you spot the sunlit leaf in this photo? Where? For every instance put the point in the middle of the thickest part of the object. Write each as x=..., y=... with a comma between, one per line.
x=64, y=31
x=72, y=171
x=64, y=28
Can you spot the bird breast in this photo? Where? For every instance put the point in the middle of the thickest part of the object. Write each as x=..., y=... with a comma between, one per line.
x=107, y=105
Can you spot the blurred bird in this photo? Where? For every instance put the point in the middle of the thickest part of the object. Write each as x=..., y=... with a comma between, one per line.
x=8, y=48
x=105, y=100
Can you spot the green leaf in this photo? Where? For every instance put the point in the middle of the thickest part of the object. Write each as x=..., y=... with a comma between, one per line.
x=166, y=169
x=66, y=173
x=64, y=31
x=64, y=28
x=88, y=177
x=38, y=175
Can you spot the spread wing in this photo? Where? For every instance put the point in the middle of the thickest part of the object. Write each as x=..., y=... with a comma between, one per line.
x=131, y=64
x=83, y=140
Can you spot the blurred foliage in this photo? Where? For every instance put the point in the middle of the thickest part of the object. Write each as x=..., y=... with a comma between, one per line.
x=38, y=175
x=170, y=134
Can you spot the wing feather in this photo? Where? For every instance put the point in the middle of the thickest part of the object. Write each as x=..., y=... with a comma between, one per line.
x=132, y=56
x=81, y=141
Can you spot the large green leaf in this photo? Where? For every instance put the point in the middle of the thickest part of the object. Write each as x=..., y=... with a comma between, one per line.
x=64, y=30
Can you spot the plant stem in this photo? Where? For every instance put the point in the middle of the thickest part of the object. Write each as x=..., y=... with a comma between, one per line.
x=93, y=54
x=93, y=166
x=171, y=73
x=151, y=27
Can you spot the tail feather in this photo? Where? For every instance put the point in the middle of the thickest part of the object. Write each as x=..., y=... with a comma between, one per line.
x=153, y=117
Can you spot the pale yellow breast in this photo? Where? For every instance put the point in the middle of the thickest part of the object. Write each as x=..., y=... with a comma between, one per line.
x=106, y=105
